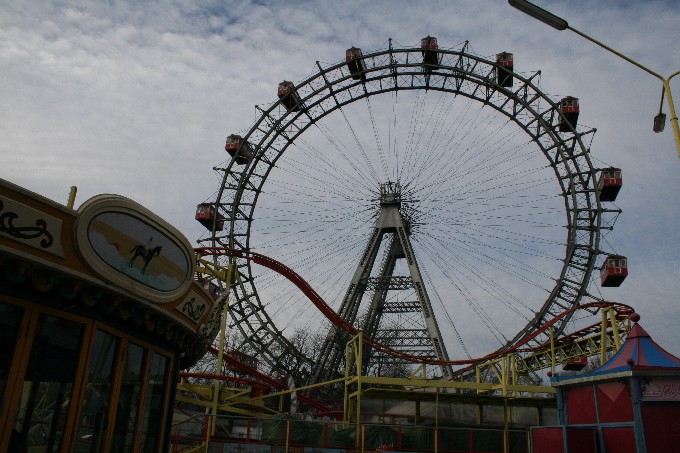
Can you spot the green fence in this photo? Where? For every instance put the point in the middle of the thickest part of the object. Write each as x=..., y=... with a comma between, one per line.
x=286, y=434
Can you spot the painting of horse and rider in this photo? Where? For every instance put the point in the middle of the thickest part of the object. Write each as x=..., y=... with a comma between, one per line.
x=139, y=251
x=146, y=253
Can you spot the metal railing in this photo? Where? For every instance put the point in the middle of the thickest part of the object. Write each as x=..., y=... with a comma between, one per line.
x=288, y=434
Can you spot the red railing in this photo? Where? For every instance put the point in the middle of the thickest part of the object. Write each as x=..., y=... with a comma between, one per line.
x=298, y=434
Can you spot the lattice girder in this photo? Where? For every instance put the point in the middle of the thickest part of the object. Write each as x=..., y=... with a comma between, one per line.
x=459, y=73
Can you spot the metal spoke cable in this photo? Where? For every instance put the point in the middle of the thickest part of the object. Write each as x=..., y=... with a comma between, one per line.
x=473, y=251
x=433, y=288
x=393, y=144
x=327, y=165
x=467, y=249
x=466, y=295
x=378, y=141
x=410, y=152
x=472, y=272
x=367, y=161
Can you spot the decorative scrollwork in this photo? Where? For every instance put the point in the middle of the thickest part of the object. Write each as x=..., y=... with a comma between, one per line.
x=193, y=311
x=24, y=232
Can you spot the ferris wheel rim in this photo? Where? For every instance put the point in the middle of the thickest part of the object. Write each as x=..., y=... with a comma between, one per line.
x=570, y=154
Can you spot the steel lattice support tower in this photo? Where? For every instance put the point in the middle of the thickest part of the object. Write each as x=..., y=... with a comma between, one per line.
x=391, y=230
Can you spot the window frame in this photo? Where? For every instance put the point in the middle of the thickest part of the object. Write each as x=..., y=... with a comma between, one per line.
x=21, y=354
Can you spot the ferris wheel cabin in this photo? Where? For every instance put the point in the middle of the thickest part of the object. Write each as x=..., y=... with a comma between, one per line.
x=504, y=69
x=289, y=96
x=355, y=63
x=576, y=364
x=243, y=358
x=239, y=149
x=429, y=49
x=570, y=110
x=610, y=183
x=613, y=271
x=205, y=214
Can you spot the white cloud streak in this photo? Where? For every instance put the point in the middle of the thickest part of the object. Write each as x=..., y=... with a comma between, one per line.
x=137, y=98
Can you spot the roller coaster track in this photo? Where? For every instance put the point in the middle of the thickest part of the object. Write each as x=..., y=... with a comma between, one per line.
x=588, y=341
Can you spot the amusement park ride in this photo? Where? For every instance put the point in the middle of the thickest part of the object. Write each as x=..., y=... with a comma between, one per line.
x=482, y=203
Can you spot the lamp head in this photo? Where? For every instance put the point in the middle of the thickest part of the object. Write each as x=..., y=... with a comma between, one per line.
x=539, y=13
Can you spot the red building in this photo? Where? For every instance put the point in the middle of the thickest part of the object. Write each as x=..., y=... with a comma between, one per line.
x=631, y=404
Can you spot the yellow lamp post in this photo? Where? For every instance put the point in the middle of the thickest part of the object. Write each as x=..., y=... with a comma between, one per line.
x=560, y=24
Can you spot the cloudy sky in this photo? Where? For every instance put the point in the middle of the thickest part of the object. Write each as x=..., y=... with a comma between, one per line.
x=137, y=98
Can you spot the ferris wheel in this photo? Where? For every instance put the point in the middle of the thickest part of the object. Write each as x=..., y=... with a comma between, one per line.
x=402, y=184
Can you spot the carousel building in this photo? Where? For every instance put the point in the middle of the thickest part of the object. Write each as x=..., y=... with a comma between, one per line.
x=631, y=404
x=99, y=310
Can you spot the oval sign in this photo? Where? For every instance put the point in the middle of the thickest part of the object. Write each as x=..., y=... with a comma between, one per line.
x=138, y=250
x=131, y=244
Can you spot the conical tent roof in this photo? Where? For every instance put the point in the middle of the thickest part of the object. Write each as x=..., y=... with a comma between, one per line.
x=639, y=353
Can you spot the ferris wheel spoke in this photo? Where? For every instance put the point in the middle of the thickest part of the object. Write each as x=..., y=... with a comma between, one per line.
x=325, y=167
x=447, y=314
x=468, y=296
x=485, y=187
x=378, y=141
x=469, y=269
x=515, y=268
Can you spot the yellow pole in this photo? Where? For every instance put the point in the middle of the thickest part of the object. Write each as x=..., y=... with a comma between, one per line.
x=436, y=421
x=72, y=197
x=513, y=364
x=346, y=402
x=504, y=375
x=603, y=338
x=506, y=434
x=220, y=351
x=363, y=436
x=560, y=24
x=359, y=353
x=664, y=81
x=615, y=329
x=552, y=350
x=671, y=109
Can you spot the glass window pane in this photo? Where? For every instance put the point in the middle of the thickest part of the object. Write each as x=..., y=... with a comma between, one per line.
x=152, y=415
x=46, y=392
x=92, y=425
x=523, y=417
x=128, y=402
x=549, y=416
x=493, y=415
x=10, y=317
x=465, y=413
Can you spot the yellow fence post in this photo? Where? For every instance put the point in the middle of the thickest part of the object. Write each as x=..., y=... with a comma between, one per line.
x=552, y=350
x=287, y=434
x=603, y=338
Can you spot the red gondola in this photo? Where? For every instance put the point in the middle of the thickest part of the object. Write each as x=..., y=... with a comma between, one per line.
x=214, y=290
x=429, y=48
x=610, y=183
x=289, y=96
x=246, y=359
x=570, y=110
x=504, y=70
x=576, y=364
x=613, y=271
x=205, y=214
x=239, y=149
x=355, y=63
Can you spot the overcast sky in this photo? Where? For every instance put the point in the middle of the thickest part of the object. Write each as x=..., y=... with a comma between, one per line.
x=136, y=98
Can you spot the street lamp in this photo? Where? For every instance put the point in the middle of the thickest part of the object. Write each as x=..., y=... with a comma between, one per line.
x=560, y=24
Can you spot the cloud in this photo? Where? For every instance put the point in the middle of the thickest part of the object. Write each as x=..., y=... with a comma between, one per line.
x=137, y=99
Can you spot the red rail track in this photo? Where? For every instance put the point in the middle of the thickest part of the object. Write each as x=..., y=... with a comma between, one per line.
x=621, y=310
